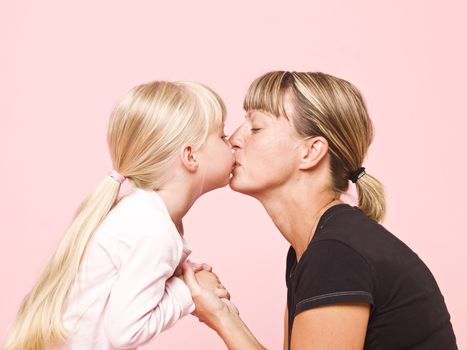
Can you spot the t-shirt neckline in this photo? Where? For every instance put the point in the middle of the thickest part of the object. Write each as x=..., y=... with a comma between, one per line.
x=328, y=213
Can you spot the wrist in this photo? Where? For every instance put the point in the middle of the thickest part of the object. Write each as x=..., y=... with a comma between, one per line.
x=227, y=324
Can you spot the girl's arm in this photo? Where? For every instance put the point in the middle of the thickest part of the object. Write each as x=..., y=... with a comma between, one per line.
x=145, y=299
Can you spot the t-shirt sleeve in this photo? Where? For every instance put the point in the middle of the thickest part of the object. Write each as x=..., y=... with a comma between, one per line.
x=330, y=272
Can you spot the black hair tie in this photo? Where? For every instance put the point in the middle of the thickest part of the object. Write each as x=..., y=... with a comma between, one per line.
x=357, y=174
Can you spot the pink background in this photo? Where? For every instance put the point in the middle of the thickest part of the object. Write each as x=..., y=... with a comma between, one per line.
x=64, y=64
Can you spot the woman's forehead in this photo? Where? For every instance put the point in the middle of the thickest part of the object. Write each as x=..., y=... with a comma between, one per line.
x=253, y=113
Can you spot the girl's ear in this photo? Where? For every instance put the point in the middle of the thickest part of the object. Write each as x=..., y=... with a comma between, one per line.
x=188, y=158
x=313, y=150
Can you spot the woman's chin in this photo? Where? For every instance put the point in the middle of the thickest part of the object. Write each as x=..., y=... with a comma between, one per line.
x=237, y=186
x=233, y=183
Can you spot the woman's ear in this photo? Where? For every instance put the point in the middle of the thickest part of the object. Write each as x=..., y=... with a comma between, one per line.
x=313, y=150
x=188, y=158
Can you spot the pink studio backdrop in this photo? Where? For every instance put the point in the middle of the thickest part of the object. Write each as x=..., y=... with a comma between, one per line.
x=64, y=64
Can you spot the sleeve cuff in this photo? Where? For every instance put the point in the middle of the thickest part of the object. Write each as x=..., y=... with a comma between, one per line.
x=181, y=292
x=334, y=298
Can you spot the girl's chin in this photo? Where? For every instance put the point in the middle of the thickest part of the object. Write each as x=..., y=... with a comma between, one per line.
x=224, y=181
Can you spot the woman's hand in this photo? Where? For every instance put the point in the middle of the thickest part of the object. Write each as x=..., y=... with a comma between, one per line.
x=207, y=296
x=205, y=277
x=220, y=314
x=210, y=282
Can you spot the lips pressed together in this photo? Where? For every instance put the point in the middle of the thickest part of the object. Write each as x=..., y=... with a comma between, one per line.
x=235, y=164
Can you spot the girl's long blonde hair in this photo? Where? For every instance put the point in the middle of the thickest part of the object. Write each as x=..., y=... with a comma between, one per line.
x=147, y=129
x=323, y=105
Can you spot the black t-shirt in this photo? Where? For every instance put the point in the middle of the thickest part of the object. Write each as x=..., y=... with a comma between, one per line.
x=351, y=258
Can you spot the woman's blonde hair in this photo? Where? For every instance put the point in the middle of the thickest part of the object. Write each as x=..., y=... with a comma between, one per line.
x=147, y=129
x=323, y=105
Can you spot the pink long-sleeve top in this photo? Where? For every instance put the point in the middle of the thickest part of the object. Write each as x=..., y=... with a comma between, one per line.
x=125, y=292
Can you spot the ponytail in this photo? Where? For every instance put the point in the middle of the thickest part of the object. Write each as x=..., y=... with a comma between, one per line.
x=371, y=198
x=39, y=321
x=327, y=106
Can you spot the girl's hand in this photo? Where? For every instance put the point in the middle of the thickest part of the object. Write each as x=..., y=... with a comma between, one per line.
x=195, y=266
x=199, y=267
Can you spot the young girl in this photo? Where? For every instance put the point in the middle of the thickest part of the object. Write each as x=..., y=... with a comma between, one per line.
x=111, y=282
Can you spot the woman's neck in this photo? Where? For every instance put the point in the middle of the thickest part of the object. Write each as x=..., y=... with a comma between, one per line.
x=296, y=211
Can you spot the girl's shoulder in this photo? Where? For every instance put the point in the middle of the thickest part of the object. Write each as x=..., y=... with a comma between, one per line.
x=141, y=213
x=142, y=204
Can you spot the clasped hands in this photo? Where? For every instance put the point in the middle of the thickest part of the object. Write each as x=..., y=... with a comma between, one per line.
x=211, y=298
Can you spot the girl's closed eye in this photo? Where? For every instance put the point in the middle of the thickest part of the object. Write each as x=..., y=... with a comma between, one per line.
x=255, y=130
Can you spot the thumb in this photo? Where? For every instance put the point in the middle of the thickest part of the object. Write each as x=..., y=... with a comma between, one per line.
x=190, y=278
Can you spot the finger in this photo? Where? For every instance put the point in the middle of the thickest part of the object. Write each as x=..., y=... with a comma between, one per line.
x=190, y=278
x=195, y=265
x=222, y=293
x=207, y=267
x=197, y=268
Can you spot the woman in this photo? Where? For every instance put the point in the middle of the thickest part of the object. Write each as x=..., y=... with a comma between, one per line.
x=113, y=282
x=351, y=284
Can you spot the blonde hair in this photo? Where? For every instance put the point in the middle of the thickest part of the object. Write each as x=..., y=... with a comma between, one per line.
x=147, y=129
x=323, y=105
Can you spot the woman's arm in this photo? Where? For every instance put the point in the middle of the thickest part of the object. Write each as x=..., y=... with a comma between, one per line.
x=339, y=326
x=235, y=333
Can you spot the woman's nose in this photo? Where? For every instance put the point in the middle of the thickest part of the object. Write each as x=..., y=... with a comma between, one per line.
x=234, y=140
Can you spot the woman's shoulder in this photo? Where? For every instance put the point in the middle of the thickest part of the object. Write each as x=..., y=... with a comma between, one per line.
x=348, y=225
